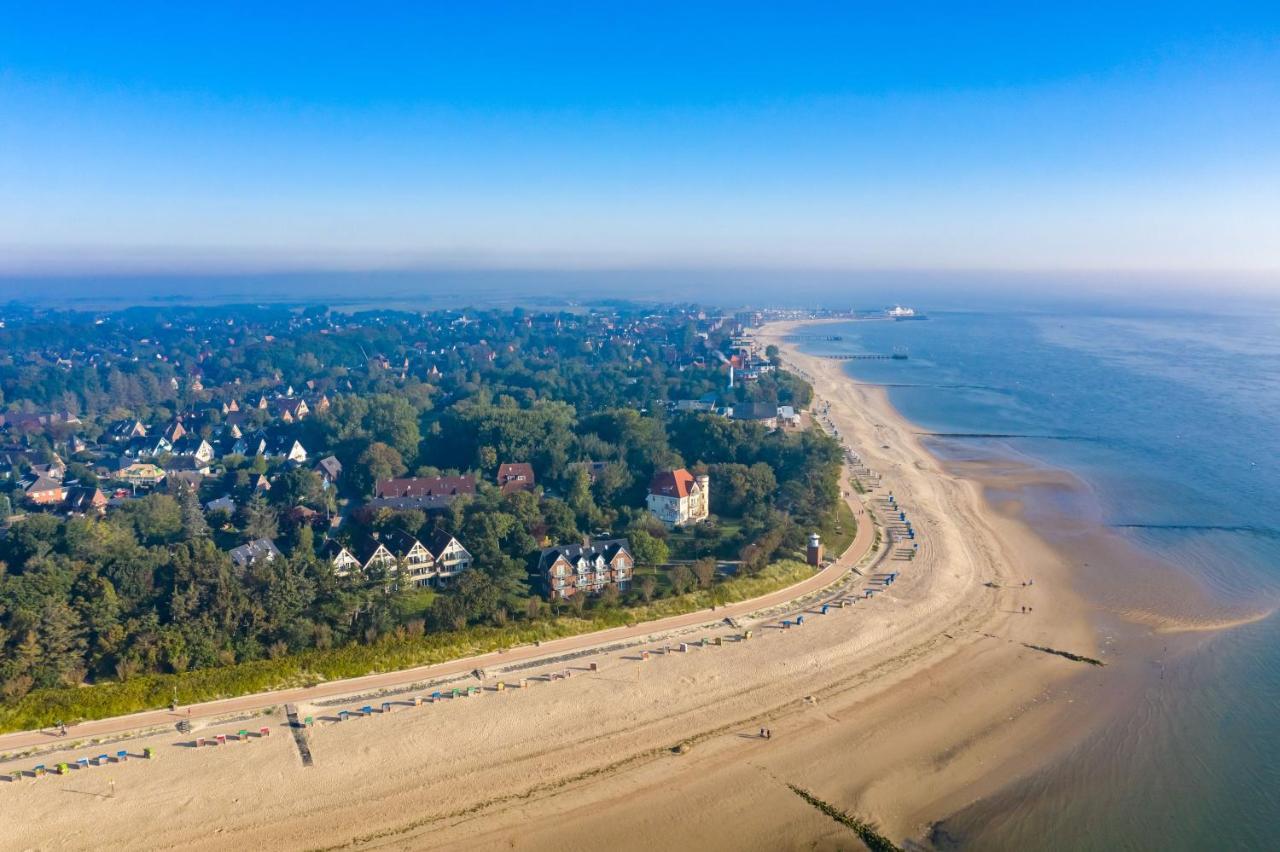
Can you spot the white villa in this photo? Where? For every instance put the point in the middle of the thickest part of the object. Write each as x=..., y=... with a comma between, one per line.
x=677, y=497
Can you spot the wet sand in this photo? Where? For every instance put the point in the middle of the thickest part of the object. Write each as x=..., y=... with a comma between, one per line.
x=902, y=709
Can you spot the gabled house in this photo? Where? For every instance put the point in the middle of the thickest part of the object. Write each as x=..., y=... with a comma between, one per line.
x=515, y=477
x=253, y=444
x=126, y=430
x=193, y=446
x=146, y=448
x=259, y=550
x=677, y=497
x=290, y=409
x=174, y=432
x=342, y=560
x=568, y=570
x=43, y=490
x=448, y=554
x=330, y=469
x=284, y=447
x=372, y=553
x=412, y=559
x=84, y=500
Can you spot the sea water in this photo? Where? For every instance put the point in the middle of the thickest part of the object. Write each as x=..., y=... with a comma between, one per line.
x=1173, y=421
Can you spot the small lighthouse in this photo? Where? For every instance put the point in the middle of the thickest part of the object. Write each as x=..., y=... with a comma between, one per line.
x=815, y=550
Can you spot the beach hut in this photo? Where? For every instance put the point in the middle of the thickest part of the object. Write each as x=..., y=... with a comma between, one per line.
x=148, y=752
x=122, y=756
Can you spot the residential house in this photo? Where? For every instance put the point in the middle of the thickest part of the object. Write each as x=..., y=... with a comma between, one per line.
x=568, y=570
x=43, y=490
x=84, y=500
x=284, y=447
x=258, y=550
x=193, y=446
x=290, y=409
x=222, y=504
x=147, y=447
x=412, y=559
x=429, y=493
x=372, y=553
x=515, y=477
x=330, y=469
x=342, y=560
x=449, y=556
x=138, y=473
x=175, y=432
x=677, y=497
x=126, y=430
x=765, y=413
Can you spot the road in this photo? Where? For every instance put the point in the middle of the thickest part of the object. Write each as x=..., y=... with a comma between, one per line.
x=860, y=546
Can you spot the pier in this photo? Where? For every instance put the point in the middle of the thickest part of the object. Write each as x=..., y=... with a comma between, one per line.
x=894, y=357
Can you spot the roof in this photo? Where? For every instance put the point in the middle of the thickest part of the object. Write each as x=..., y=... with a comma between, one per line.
x=81, y=498
x=42, y=484
x=515, y=476
x=425, y=486
x=437, y=542
x=672, y=483
x=608, y=548
x=330, y=466
x=755, y=411
x=258, y=549
x=398, y=541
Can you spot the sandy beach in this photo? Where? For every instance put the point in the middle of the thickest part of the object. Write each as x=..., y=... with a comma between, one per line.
x=901, y=709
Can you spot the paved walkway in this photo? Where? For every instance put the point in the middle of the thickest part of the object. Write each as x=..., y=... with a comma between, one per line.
x=860, y=546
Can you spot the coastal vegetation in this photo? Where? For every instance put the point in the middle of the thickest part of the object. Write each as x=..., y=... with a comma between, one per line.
x=398, y=650
x=140, y=604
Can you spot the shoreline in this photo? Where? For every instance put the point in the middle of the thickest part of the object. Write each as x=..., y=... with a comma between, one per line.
x=902, y=711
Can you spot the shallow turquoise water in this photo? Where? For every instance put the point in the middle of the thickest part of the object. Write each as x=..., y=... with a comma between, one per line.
x=1173, y=419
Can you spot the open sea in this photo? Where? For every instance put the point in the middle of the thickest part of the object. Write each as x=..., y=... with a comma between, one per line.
x=1173, y=421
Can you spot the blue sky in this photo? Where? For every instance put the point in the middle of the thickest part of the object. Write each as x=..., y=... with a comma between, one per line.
x=596, y=134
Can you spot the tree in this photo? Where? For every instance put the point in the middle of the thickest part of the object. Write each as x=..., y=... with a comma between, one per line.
x=378, y=461
x=156, y=518
x=681, y=579
x=705, y=571
x=260, y=519
x=194, y=524
x=647, y=549
x=647, y=586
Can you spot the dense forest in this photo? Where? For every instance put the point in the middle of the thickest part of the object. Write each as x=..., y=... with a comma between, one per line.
x=149, y=586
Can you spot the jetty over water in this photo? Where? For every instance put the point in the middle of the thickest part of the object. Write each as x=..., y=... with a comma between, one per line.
x=897, y=356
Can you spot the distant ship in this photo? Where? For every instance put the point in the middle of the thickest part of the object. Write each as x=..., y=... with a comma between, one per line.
x=898, y=313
